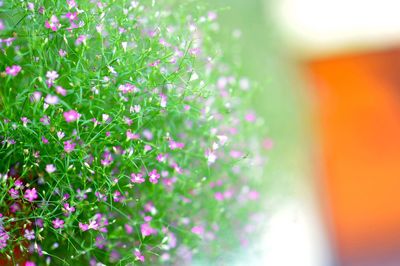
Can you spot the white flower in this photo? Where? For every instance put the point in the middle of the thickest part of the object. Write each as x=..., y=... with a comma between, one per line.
x=50, y=168
x=51, y=99
x=211, y=157
x=52, y=75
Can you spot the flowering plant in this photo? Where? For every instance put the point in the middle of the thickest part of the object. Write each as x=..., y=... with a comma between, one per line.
x=124, y=138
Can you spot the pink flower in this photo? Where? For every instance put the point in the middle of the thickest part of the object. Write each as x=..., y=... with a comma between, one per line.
x=69, y=146
x=73, y=26
x=31, y=6
x=30, y=263
x=65, y=196
x=52, y=75
x=165, y=257
x=71, y=3
x=173, y=145
x=51, y=99
x=154, y=176
x=169, y=182
x=161, y=157
x=163, y=42
x=60, y=134
x=2, y=27
x=25, y=120
x=251, y=117
x=71, y=116
x=163, y=100
x=127, y=88
x=128, y=229
x=45, y=120
x=18, y=184
x=62, y=53
x=58, y=223
x=107, y=158
x=176, y=167
x=212, y=16
x=92, y=225
x=147, y=230
x=198, y=230
x=60, y=90
x=53, y=24
x=155, y=63
x=100, y=242
x=137, y=178
x=29, y=234
x=147, y=148
x=31, y=194
x=222, y=139
x=44, y=140
x=13, y=193
x=149, y=207
x=50, y=168
x=3, y=238
x=219, y=196
x=106, y=118
x=13, y=70
x=139, y=256
x=15, y=207
x=67, y=209
x=8, y=41
x=135, y=109
x=39, y=223
x=128, y=121
x=268, y=144
x=36, y=96
x=100, y=196
x=118, y=196
x=81, y=195
x=253, y=195
x=71, y=16
x=148, y=134
x=236, y=154
x=83, y=227
x=81, y=39
x=131, y=135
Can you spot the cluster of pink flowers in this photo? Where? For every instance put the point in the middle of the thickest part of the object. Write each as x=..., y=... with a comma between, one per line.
x=3, y=238
x=13, y=70
x=115, y=145
x=53, y=23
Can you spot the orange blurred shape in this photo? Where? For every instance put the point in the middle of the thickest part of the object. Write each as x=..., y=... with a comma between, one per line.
x=359, y=117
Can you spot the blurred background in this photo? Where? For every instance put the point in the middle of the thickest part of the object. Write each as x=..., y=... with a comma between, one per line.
x=330, y=100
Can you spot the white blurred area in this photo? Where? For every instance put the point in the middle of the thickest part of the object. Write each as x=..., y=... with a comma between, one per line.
x=294, y=236
x=313, y=27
